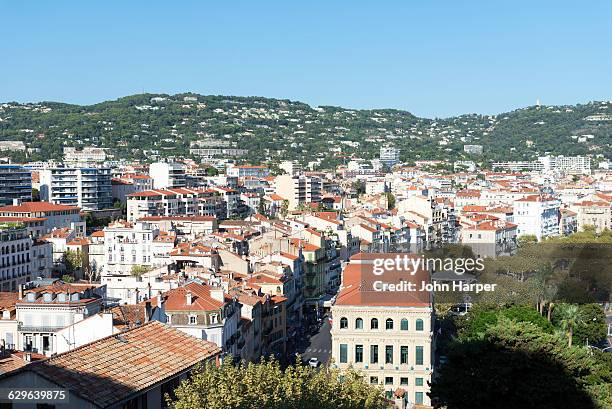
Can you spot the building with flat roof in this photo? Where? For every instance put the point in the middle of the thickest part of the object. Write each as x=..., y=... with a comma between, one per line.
x=87, y=188
x=15, y=184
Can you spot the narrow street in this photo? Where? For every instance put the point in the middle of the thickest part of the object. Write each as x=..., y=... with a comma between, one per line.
x=317, y=345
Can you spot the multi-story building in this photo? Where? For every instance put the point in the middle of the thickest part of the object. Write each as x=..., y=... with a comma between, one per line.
x=242, y=171
x=167, y=175
x=88, y=156
x=490, y=238
x=473, y=149
x=569, y=164
x=15, y=256
x=15, y=184
x=389, y=155
x=597, y=214
x=87, y=188
x=175, y=202
x=537, y=215
x=52, y=216
x=568, y=222
x=127, y=245
x=46, y=309
x=387, y=335
x=203, y=311
x=298, y=190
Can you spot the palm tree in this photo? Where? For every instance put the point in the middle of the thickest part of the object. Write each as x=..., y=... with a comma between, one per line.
x=570, y=317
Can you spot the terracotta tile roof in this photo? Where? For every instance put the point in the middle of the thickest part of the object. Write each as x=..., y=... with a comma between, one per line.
x=128, y=316
x=201, y=300
x=15, y=359
x=288, y=255
x=116, y=368
x=358, y=284
x=32, y=207
x=24, y=220
x=304, y=244
x=8, y=299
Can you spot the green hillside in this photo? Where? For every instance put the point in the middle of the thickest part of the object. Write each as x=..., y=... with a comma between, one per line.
x=145, y=126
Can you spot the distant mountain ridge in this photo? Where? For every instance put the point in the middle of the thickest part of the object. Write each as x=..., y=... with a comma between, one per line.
x=142, y=126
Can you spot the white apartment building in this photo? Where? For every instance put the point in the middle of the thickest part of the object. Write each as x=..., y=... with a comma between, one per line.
x=491, y=238
x=44, y=310
x=569, y=164
x=15, y=184
x=386, y=335
x=127, y=245
x=87, y=188
x=15, y=256
x=175, y=202
x=290, y=167
x=389, y=155
x=167, y=175
x=241, y=171
x=597, y=214
x=87, y=156
x=537, y=215
x=298, y=190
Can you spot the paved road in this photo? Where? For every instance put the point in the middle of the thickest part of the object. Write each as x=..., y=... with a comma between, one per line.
x=318, y=345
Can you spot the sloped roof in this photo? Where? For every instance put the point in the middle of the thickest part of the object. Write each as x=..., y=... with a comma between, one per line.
x=113, y=369
x=31, y=207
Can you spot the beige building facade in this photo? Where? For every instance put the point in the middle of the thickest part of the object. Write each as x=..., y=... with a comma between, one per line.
x=390, y=342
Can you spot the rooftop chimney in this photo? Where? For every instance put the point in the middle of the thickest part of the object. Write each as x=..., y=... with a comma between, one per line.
x=148, y=311
x=217, y=294
x=160, y=300
x=189, y=298
x=20, y=291
x=27, y=357
x=16, y=202
x=137, y=295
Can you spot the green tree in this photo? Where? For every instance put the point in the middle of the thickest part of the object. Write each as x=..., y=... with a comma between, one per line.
x=569, y=318
x=527, y=239
x=390, y=201
x=67, y=278
x=284, y=210
x=266, y=386
x=73, y=260
x=590, y=328
x=515, y=365
x=138, y=270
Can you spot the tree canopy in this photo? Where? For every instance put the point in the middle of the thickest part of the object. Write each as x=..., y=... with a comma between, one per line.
x=266, y=386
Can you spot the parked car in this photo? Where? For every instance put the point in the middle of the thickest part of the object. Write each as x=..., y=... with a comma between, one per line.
x=314, y=362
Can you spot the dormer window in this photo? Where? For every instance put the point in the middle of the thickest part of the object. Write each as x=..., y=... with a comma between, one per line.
x=214, y=318
x=193, y=320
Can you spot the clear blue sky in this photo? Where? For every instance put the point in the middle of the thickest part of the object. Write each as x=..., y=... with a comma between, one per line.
x=431, y=57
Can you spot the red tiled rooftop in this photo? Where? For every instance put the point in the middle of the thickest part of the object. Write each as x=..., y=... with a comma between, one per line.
x=33, y=207
x=112, y=369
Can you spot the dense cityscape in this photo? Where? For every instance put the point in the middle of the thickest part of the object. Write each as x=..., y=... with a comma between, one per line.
x=306, y=205
x=254, y=261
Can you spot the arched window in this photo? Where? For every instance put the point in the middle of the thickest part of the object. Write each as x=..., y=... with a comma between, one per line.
x=343, y=322
x=389, y=323
x=374, y=323
x=358, y=323
x=419, y=325
x=404, y=324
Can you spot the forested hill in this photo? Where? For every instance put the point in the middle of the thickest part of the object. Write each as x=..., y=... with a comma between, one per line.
x=142, y=126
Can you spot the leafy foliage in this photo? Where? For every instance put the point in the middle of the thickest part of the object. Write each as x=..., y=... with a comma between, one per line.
x=266, y=386
x=147, y=125
x=516, y=365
